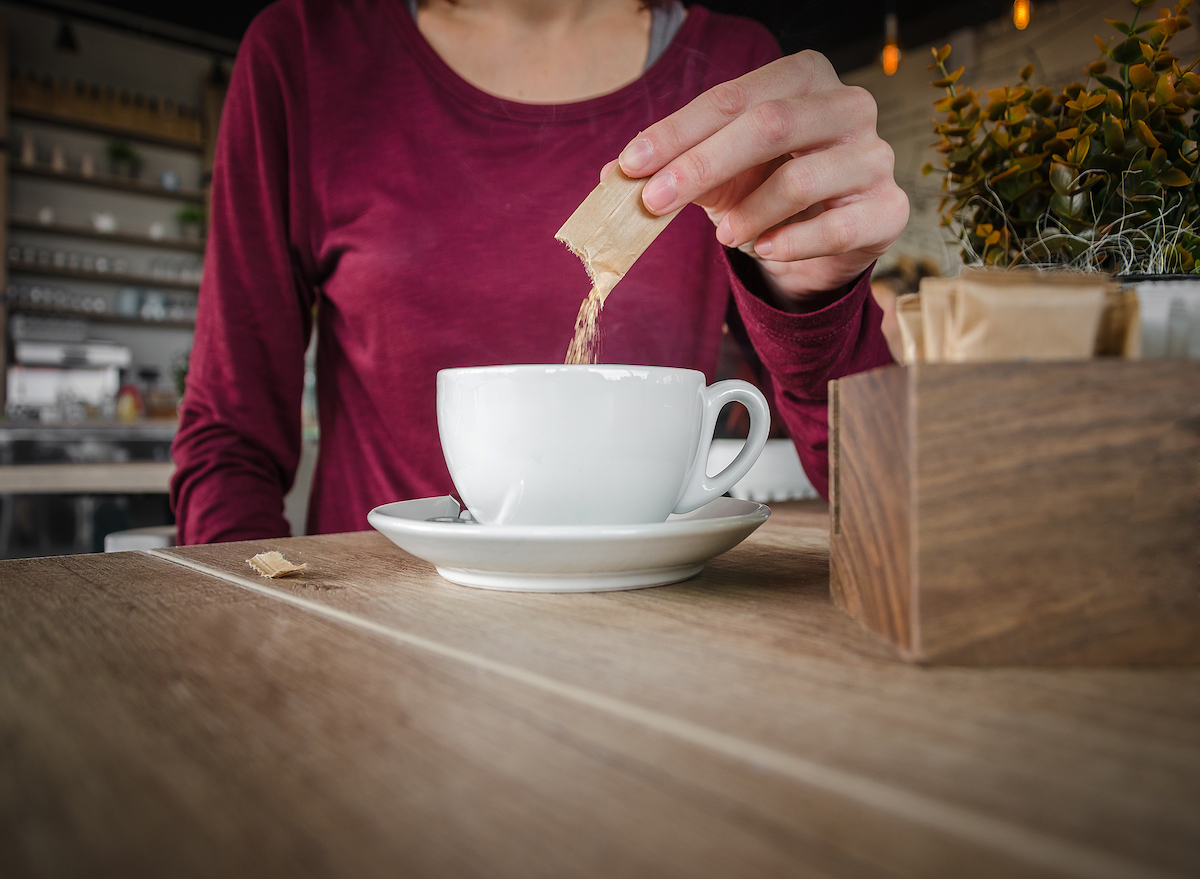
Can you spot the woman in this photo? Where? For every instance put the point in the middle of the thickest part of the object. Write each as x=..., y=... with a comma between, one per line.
x=401, y=172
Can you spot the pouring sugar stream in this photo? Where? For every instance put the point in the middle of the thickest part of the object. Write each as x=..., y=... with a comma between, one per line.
x=608, y=232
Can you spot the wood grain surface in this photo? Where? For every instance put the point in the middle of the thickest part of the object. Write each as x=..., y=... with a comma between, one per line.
x=1068, y=495
x=1022, y=513
x=369, y=718
x=1012, y=764
x=870, y=492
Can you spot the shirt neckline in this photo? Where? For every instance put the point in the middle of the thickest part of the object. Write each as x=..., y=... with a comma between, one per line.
x=444, y=76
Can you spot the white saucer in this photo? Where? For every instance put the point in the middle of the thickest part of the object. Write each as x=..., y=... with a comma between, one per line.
x=566, y=558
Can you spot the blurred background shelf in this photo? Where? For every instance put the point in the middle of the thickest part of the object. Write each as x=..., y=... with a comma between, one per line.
x=96, y=126
x=99, y=317
x=143, y=430
x=107, y=181
x=120, y=278
x=190, y=245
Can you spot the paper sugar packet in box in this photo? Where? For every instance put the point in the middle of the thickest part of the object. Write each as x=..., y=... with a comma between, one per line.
x=935, y=309
x=1020, y=314
x=1024, y=315
x=912, y=331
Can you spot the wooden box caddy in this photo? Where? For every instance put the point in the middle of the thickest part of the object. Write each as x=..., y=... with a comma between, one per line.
x=1020, y=513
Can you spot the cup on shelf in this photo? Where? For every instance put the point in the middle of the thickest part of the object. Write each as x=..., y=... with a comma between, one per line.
x=153, y=306
x=129, y=301
x=177, y=309
x=103, y=221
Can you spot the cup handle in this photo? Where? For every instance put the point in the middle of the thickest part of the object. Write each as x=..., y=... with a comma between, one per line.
x=700, y=488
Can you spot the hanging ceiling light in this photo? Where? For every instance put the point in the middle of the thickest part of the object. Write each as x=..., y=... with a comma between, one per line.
x=891, y=45
x=65, y=42
x=1022, y=12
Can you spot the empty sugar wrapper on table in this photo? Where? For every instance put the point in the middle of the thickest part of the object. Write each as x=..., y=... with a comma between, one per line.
x=272, y=564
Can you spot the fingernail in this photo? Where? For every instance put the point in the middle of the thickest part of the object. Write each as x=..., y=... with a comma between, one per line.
x=659, y=193
x=725, y=232
x=763, y=247
x=636, y=156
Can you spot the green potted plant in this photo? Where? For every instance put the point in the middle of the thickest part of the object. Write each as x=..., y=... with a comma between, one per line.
x=191, y=219
x=1100, y=176
x=179, y=370
x=123, y=159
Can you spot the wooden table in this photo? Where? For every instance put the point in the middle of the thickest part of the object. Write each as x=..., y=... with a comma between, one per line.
x=169, y=713
x=135, y=477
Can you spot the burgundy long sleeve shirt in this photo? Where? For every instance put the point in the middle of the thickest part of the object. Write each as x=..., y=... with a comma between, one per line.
x=361, y=184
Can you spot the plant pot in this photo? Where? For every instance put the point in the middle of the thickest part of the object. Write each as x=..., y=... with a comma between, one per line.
x=126, y=168
x=1170, y=314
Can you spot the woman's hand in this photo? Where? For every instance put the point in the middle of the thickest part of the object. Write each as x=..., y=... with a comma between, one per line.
x=788, y=165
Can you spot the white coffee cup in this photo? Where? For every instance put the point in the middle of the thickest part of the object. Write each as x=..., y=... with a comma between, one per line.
x=588, y=445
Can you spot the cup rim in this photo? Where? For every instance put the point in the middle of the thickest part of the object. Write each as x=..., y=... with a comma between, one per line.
x=552, y=368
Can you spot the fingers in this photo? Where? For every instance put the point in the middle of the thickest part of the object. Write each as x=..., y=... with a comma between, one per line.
x=768, y=130
x=803, y=73
x=683, y=129
x=762, y=134
x=787, y=162
x=867, y=226
x=804, y=181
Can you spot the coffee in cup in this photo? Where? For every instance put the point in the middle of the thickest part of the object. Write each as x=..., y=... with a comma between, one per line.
x=588, y=444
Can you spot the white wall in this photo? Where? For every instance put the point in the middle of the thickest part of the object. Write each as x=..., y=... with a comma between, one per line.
x=1058, y=42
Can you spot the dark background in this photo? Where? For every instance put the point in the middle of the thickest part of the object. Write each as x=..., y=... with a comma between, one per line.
x=849, y=33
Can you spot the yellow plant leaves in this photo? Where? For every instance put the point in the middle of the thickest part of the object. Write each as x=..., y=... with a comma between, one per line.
x=1142, y=76
x=1144, y=134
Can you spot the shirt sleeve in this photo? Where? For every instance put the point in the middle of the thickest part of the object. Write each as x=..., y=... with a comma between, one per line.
x=801, y=353
x=238, y=443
